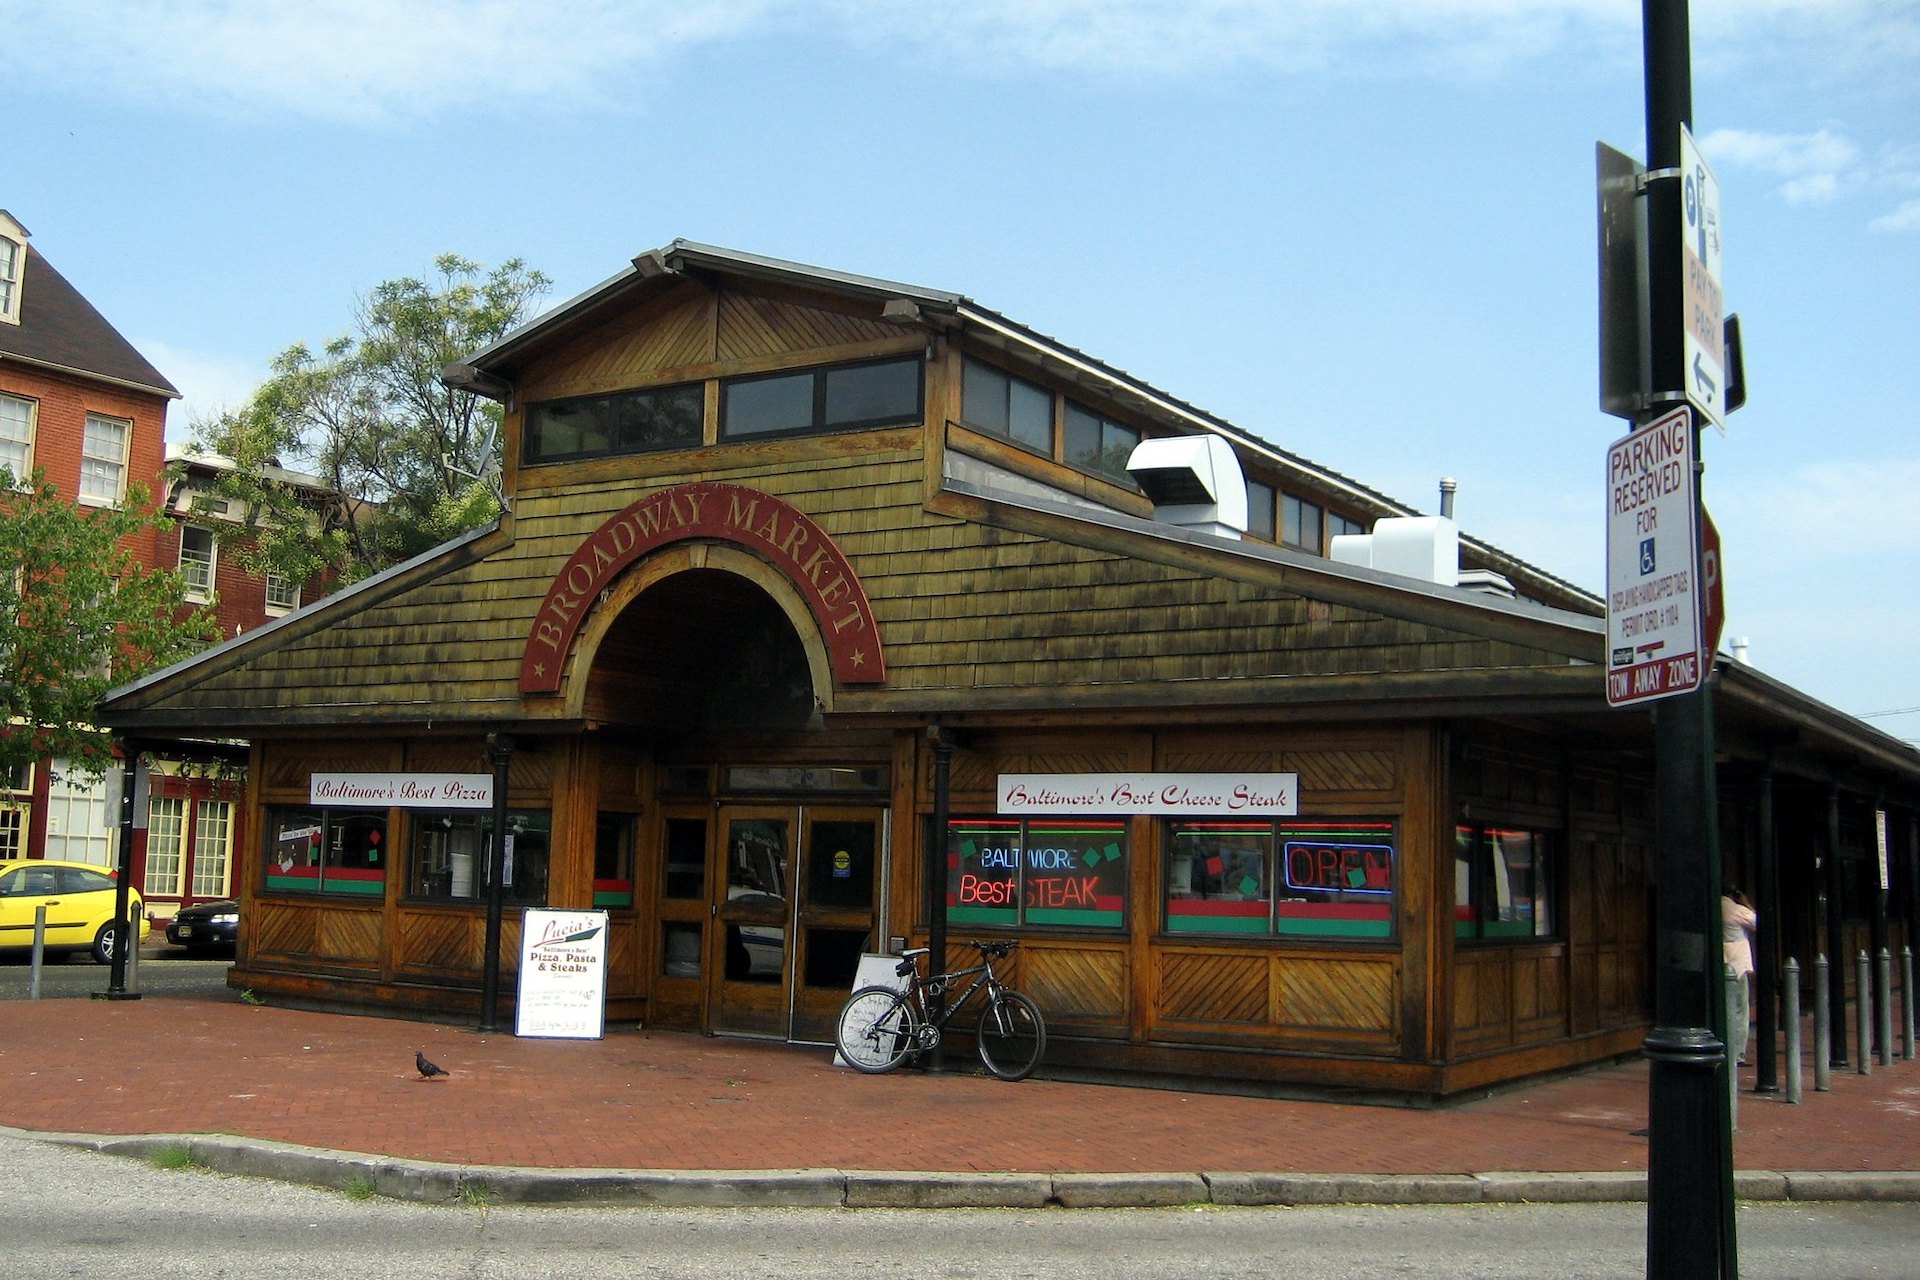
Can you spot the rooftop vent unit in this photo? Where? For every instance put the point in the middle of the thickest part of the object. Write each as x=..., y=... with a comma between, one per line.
x=1423, y=547
x=1193, y=481
x=1487, y=583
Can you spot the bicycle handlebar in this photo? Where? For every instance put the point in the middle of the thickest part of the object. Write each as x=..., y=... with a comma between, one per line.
x=999, y=950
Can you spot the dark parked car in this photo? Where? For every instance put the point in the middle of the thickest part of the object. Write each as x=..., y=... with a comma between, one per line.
x=205, y=926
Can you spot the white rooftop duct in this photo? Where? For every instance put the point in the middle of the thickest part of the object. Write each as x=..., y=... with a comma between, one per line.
x=1193, y=481
x=1423, y=547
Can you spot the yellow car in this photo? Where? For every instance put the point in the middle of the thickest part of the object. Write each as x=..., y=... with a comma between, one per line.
x=79, y=899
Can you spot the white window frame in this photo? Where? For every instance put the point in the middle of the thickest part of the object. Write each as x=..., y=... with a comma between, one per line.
x=166, y=846
x=213, y=849
x=195, y=570
x=283, y=594
x=25, y=412
x=13, y=260
x=103, y=477
x=79, y=827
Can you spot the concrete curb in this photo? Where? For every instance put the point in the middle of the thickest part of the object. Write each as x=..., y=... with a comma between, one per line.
x=429, y=1182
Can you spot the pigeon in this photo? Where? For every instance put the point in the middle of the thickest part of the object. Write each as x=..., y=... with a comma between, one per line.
x=428, y=1070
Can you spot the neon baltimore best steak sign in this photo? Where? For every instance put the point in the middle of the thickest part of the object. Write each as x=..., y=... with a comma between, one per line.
x=759, y=522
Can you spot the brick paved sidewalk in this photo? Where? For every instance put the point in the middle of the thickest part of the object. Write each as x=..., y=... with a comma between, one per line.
x=666, y=1100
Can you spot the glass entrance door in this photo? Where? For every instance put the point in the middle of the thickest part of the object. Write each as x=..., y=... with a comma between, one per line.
x=796, y=896
x=748, y=993
x=839, y=893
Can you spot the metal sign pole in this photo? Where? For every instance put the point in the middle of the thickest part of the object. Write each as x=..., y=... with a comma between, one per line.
x=500, y=756
x=1690, y=1229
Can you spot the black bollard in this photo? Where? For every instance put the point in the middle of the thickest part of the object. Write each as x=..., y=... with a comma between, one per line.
x=1906, y=1002
x=1883, y=1003
x=1863, y=1013
x=1792, y=1000
x=1822, y=1028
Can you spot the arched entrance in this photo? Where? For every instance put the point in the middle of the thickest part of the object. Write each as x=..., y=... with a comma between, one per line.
x=767, y=848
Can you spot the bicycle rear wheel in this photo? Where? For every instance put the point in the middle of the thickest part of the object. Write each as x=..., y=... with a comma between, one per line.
x=875, y=1031
x=1011, y=1036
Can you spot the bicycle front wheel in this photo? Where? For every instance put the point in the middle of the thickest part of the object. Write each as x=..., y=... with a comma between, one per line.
x=875, y=1031
x=1012, y=1036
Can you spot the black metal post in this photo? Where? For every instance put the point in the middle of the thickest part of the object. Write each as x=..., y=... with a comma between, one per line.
x=1690, y=1151
x=500, y=756
x=936, y=872
x=1836, y=947
x=1877, y=922
x=1767, y=963
x=126, y=932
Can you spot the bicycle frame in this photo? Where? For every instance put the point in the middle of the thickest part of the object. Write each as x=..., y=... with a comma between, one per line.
x=939, y=984
x=881, y=1025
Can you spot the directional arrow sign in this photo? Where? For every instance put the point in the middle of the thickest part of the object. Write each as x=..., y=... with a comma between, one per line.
x=1703, y=301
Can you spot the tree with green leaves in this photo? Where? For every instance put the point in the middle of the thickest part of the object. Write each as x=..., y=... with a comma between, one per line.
x=409, y=462
x=79, y=614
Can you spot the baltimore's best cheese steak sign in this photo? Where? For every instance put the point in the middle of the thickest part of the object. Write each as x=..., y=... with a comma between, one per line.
x=776, y=531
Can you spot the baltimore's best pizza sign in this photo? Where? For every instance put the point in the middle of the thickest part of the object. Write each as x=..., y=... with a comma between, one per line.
x=774, y=530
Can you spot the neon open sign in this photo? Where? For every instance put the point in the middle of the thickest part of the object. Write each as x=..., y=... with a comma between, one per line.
x=1325, y=866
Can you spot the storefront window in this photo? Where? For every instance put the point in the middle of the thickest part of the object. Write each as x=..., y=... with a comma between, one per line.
x=1280, y=879
x=1053, y=872
x=327, y=851
x=620, y=423
x=450, y=855
x=1504, y=880
x=613, y=861
x=1217, y=877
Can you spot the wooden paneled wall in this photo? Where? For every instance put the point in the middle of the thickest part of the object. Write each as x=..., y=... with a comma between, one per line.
x=1594, y=977
x=1149, y=988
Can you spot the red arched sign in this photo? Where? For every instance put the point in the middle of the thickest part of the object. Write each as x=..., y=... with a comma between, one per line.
x=760, y=522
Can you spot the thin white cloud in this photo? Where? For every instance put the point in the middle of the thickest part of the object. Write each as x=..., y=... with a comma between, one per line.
x=208, y=384
x=1905, y=218
x=367, y=61
x=1814, y=166
x=1183, y=37
x=1818, y=168
x=361, y=60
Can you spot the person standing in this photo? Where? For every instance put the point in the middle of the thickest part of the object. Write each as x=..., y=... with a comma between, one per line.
x=1737, y=925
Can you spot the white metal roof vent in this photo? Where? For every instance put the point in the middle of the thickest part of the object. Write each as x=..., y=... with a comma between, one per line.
x=1487, y=583
x=1423, y=547
x=1193, y=481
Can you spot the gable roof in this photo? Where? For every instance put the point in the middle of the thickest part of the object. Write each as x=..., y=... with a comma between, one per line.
x=657, y=270
x=60, y=330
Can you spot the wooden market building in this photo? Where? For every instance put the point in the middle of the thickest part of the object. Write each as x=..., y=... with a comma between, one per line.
x=793, y=561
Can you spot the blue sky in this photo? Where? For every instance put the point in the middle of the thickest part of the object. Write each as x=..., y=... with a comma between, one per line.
x=1363, y=230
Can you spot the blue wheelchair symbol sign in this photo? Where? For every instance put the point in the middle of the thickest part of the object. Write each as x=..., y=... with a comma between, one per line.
x=1646, y=557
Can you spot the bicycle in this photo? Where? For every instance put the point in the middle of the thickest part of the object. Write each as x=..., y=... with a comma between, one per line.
x=881, y=1027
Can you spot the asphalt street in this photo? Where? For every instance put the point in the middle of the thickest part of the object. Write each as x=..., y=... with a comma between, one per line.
x=107, y=1217
x=157, y=974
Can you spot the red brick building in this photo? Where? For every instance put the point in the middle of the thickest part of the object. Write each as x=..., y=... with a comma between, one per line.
x=79, y=404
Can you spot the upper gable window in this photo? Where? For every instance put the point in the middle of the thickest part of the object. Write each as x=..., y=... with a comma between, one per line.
x=1302, y=524
x=103, y=460
x=624, y=422
x=1261, y=504
x=999, y=403
x=1099, y=444
x=16, y=436
x=832, y=398
x=12, y=257
x=994, y=401
x=1339, y=525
